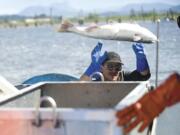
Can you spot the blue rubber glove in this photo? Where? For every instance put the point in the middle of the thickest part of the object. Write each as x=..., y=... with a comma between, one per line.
x=141, y=60
x=97, y=59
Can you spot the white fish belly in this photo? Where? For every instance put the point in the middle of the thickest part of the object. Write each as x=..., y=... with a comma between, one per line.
x=121, y=32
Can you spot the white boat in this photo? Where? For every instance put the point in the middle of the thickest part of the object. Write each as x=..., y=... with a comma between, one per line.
x=86, y=108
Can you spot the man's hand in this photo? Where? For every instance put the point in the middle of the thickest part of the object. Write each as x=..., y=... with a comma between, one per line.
x=97, y=58
x=150, y=105
x=143, y=111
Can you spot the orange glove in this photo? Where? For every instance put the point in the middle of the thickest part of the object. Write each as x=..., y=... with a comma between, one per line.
x=150, y=105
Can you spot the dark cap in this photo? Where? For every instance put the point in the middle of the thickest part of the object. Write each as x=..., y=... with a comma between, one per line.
x=113, y=57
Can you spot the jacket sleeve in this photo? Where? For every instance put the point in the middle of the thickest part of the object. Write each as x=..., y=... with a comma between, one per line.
x=136, y=76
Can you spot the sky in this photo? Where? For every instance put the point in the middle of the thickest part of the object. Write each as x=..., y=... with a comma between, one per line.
x=15, y=6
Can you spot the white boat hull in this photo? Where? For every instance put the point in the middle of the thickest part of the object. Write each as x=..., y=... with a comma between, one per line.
x=92, y=114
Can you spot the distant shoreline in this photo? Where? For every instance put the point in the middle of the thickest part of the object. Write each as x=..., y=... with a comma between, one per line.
x=93, y=18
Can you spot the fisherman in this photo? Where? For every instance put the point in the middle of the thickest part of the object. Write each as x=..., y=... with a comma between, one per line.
x=110, y=65
x=150, y=105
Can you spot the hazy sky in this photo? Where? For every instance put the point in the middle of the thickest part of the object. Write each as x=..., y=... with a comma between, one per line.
x=15, y=6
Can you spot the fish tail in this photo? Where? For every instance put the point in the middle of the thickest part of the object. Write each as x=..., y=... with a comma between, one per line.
x=65, y=25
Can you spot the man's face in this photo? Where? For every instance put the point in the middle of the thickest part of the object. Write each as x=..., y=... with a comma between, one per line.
x=111, y=70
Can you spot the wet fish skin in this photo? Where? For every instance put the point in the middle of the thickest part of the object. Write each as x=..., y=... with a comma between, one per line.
x=114, y=31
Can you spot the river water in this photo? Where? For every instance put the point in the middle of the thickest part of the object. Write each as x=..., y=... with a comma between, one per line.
x=30, y=51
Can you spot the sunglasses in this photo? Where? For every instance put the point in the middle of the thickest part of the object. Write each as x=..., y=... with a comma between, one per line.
x=114, y=66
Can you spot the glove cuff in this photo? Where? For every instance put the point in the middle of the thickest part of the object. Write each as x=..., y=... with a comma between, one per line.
x=142, y=64
x=167, y=92
x=173, y=87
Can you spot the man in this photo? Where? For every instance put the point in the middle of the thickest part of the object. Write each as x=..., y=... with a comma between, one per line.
x=110, y=65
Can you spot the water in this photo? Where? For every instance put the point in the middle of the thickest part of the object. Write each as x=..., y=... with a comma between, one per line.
x=30, y=51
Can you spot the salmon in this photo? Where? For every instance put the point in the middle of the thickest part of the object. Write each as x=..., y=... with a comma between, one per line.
x=114, y=31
